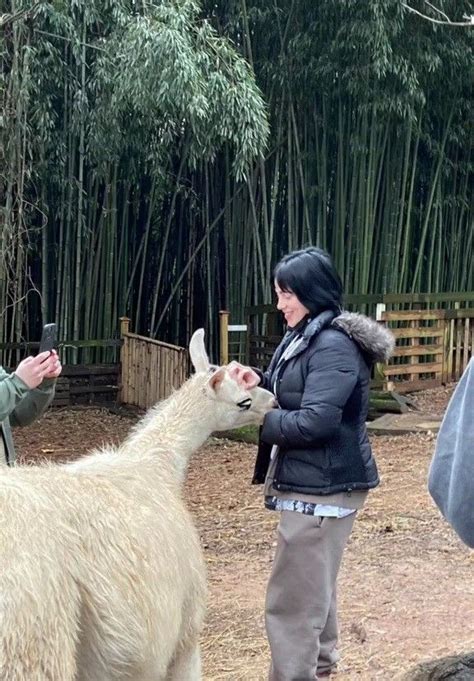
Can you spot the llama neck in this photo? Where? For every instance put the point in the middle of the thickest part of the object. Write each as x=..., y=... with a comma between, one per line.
x=172, y=431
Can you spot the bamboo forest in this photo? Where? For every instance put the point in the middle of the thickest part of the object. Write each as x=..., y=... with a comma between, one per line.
x=159, y=156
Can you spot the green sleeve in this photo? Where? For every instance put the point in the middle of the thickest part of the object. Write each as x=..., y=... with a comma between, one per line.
x=12, y=391
x=34, y=403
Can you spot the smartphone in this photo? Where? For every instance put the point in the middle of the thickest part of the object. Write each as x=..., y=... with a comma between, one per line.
x=48, y=338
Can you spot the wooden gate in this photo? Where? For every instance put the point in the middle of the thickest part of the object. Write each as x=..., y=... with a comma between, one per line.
x=151, y=369
x=433, y=346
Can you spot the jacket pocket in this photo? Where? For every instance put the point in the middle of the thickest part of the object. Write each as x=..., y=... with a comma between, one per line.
x=318, y=521
x=309, y=468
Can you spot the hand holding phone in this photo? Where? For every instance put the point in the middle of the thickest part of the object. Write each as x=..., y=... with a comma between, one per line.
x=32, y=370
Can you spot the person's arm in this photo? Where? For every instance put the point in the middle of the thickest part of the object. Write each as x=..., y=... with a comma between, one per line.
x=40, y=373
x=332, y=375
x=12, y=391
x=33, y=404
x=26, y=393
x=451, y=472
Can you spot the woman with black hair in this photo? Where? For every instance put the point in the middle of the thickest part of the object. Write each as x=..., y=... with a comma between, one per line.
x=314, y=456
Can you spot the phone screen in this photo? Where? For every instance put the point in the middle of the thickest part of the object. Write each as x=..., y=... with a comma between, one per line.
x=48, y=338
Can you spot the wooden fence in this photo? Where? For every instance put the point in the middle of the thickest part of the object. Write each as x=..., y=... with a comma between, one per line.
x=433, y=347
x=72, y=352
x=87, y=384
x=150, y=369
x=147, y=373
x=434, y=335
x=87, y=381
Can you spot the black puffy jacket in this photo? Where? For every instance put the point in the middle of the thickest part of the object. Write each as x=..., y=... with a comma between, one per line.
x=322, y=388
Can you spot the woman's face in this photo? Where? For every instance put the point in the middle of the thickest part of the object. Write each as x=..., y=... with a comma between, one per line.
x=291, y=307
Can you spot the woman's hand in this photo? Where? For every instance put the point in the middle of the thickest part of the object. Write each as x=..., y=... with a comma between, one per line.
x=245, y=376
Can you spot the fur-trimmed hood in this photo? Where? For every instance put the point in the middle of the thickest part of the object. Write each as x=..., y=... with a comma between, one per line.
x=373, y=338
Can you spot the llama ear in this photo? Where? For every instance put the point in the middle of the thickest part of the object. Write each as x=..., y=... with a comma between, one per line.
x=216, y=379
x=198, y=353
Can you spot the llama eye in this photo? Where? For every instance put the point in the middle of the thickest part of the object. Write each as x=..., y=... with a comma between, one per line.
x=245, y=404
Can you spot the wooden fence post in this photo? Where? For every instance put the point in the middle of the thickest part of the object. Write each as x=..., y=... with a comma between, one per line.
x=457, y=329
x=379, y=376
x=445, y=341
x=224, y=336
x=379, y=310
x=124, y=368
x=124, y=326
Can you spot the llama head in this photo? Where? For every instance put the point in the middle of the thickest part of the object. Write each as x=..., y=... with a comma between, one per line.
x=232, y=405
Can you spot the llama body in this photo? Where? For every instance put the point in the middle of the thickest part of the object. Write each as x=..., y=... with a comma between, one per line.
x=113, y=593
x=103, y=577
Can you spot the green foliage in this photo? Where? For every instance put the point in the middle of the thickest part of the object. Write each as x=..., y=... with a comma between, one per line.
x=174, y=77
x=371, y=157
x=140, y=176
x=111, y=94
x=154, y=74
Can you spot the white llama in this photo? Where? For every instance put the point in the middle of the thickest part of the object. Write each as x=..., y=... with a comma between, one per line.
x=102, y=576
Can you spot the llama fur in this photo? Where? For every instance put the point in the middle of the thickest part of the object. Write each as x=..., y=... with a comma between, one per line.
x=103, y=577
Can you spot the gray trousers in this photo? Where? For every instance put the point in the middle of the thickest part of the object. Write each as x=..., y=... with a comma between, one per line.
x=301, y=617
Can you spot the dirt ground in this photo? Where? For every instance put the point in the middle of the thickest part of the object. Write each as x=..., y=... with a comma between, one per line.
x=406, y=588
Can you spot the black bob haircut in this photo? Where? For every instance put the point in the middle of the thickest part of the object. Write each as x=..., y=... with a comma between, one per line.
x=311, y=275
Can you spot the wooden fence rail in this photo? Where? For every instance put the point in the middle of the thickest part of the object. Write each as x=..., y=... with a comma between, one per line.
x=86, y=352
x=150, y=369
